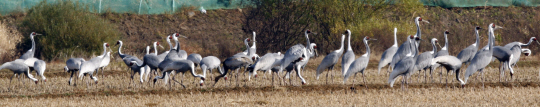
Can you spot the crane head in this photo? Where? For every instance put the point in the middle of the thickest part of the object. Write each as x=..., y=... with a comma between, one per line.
x=118, y=42
x=36, y=82
x=446, y=32
x=308, y=31
x=411, y=37
x=107, y=44
x=419, y=19
x=478, y=28
x=34, y=34
x=248, y=39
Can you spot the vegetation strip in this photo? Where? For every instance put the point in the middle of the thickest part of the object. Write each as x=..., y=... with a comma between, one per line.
x=309, y=88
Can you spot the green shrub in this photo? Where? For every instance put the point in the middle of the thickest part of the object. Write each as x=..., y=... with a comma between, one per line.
x=68, y=29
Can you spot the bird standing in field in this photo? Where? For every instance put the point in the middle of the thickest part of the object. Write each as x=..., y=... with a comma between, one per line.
x=423, y=61
x=387, y=55
x=467, y=54
x=404, y=48
x=406, y=65
x=360, y=64
x=330, y=61
x=482, y=57
x=348, y=57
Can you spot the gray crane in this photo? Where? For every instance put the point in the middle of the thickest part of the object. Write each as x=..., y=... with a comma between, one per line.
x=171, y=57
x=88, y=67
x=467, y=54
x=330, y=61
x=265, y=63
x=31, y=51
x=403, y=48
x=179, y=66
x=451, y=63
x=517, y=52
x=73, y=65
x=297, y=55
x=311, y=53
x=387, y=55
x=348, y=57
x=18, y=67
x=423, y=61
x=195, y=58
x=210, y=63
x=482, y=57
x=233, y=63
x=442, y=52
x=406, y=65
x=126, y=58
x=360, y=64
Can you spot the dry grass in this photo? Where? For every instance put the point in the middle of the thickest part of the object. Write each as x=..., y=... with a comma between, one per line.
x=12, y=37
x=114, y=89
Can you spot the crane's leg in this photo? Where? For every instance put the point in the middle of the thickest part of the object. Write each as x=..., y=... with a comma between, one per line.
x=447, y=73
x=70, y=78
x=331, y=71
x=10, y=80
x=501, y=70
x=327, y=77
x=364, y=78
x=353, y=79
x=482, y=71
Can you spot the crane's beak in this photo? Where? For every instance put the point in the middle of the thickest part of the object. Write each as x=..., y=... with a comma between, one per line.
x=372, y=39
x=538, y=42
x=183, y=36
x=425, y=21
x=38, y=34
x=439, y=45
x=498, y=27
x=161, y=46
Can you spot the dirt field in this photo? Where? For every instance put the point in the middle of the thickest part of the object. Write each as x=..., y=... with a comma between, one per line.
x=115, y=89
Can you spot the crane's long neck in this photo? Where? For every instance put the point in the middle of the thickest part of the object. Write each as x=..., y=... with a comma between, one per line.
x=147, y=50
x=412, y=46
x=395, y=38
x=104, y=50
x=530, y=41
x=418, y=31
x=170, y=45
x=349, y=43
x=445, y=42
x=33, y=44
x=491, y=40
x=434, y=47
x=307, y=40
x=247, y=44
x=254, y=41
x=477, y=38
x=342, y=43
x=368, y=51
x=155, y=49
x=120, y=49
